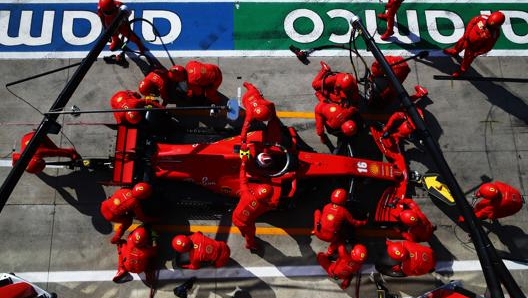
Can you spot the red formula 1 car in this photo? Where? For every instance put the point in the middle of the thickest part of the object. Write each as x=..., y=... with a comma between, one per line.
x=214, y=164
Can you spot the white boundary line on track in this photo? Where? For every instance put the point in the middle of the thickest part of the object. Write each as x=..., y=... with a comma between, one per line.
x=272, y=1
x=234, y=273
x=244, y=53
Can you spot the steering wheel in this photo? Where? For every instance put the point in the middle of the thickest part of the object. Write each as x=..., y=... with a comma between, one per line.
x=286, y=164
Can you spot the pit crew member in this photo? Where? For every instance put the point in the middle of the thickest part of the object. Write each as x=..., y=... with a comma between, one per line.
x=201, y=249
x=346, y=264
x=480, y=36
x=107, y=11
x=260, y=109
x=381, y=92
x=255, y=200
x=202, y=80
x=415, y=259
x=391, y=8
x=123, y=205
x=127, y=99
x=329, y=222
x=46, y=148
x=497, y=200
x=136, y=254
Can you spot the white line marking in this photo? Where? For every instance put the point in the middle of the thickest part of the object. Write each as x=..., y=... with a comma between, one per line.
x=231, y=272
x=272, y=1
x=244, y=53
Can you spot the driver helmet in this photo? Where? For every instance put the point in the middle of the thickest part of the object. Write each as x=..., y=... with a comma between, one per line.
x=108, y=7
x=358, y=253
x=140, y=237
x=181, y=243
x=495, y=20
x=263, y=191
x=147, y=87
x=264, y=160
x=488, y=191
x=409, y=218
x=349, y=128
x=177, y=73
x=339, y=196
x=142, y=190
x=396, y=251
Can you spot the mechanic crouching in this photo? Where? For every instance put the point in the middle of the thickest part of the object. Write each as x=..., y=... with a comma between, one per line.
x=201, y=249
x=123, y=205
x=346, y=264
x=136, y=255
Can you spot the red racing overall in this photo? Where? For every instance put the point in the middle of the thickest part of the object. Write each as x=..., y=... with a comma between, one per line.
x=203, y=79
x=205, y=249
x=121, y=208
x=390, y=12
x=337, y=87
x=135, y=255
x=251, y=205
x=479, y=38
x=417, y=259
x=126, y=99
x=328, y=224
x=508, y=202
x=45, y=149
x=331, y=116
x=107, y=11
x=344, y=267
x=260, y=109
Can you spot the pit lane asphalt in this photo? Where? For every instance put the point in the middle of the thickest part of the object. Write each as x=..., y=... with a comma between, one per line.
x=53, y=234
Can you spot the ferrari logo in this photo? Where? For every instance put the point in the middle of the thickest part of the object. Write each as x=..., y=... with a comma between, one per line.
x=330, y=217
x=203, y=70
x=117, y=202
x=333, y=109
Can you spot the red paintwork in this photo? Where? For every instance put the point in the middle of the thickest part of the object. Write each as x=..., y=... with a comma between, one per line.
x=125, y=151
x=18, y=290
x=216, y=165
x=392, y=152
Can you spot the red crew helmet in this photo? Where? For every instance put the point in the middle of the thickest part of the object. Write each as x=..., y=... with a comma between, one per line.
x=358, y=253
x=263, y=191
x=142, y=190
x=488, y=191
x=349, y=128
x=107, y=6
x=140, y=236
x=181, y=243
x=262, y=113
x=147, y=87
x=346, y=84
x=339, y=196
x=409, y=218
x=177, y=73
x=495, y=20
x=396, y=250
